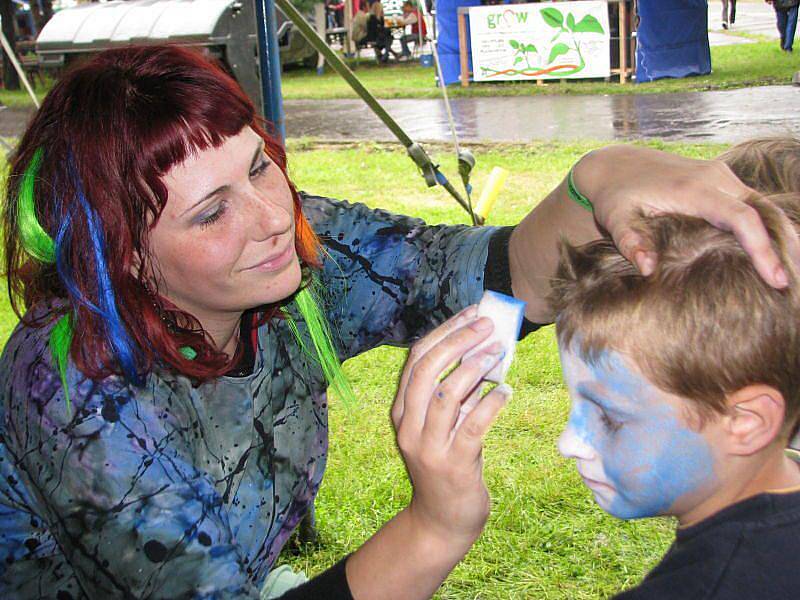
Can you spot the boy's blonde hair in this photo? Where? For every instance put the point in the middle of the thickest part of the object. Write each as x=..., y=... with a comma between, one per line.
x=703, y=325
x=768, y=165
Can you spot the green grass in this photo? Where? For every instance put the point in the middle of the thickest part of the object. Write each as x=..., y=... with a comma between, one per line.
x=745, y=65
x=546, y=538
x=20, y=98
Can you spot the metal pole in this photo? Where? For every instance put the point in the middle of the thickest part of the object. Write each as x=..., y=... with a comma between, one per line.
x=430, y=171
x=18, y=68
x=269, y=62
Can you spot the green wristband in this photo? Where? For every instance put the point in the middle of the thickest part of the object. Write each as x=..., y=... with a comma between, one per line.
x=575, y=195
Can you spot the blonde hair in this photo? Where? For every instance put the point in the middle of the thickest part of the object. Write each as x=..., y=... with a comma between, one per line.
x=703, y=325
x=768, y=165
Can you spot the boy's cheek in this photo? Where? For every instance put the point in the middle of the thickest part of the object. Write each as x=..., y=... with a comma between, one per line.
x=662, y=477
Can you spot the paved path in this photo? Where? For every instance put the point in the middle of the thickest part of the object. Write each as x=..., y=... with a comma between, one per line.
x=751, y=17
x=728, y=116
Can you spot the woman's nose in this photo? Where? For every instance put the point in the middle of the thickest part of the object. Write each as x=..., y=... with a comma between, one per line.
x=267, y=217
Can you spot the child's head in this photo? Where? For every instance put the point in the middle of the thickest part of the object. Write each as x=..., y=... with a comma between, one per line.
x=684, y=382
x=768, y=165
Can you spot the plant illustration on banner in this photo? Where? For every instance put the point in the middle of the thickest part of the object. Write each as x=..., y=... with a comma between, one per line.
x=564, y=45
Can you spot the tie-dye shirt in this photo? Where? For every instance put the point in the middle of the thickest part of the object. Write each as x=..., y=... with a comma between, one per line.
x=175, y=491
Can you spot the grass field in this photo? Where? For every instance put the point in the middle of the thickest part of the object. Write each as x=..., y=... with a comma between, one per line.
x=545, y=539
x=745, y=65
x=760, y=63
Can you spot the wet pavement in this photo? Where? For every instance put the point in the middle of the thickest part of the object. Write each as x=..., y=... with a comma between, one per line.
x=726, y=116
x=13, y=121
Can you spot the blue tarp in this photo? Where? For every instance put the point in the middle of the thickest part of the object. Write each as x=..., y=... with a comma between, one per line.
x=447, y=34
x=672, y=39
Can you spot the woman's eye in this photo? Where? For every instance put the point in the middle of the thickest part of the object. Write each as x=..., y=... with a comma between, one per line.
x=611, y=425
x=215, y=216
x=259, y=170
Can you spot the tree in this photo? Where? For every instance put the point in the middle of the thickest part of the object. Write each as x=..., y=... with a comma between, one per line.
x=10, y=77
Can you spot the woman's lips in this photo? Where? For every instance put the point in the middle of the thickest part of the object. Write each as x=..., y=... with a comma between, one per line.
x=275, y=262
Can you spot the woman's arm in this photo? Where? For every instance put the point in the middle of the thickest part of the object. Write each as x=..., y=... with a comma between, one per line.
x=623, y=182
x=440, y=436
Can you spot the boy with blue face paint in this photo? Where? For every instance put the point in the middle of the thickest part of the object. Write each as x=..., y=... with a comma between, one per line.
x=685, y=389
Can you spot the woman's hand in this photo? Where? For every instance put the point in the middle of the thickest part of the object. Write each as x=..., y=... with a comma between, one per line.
x=440, y=424
x=623, y=182
x=652, y=182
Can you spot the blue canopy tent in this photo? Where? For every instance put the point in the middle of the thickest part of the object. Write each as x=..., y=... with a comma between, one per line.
x=447, y=37
x=672, y=39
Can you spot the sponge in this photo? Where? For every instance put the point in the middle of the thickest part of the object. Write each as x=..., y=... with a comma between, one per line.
x=506, y=313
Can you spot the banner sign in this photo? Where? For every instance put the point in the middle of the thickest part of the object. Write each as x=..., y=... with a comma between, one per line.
x=548, y=40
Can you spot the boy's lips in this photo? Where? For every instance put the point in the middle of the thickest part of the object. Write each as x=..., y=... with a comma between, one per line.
x=594, y=484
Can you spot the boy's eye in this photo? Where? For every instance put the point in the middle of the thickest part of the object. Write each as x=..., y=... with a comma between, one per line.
x=611, y=425
x=259, y=169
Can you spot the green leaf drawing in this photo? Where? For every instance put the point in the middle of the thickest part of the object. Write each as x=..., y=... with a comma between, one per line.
x=514, y=44
x=588, y=24
x=531, y=48
x=571, y=22
x=553, y=17
x=518, y=60
x=557, y=51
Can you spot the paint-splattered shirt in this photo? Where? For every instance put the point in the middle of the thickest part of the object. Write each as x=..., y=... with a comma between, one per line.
x=175, y=491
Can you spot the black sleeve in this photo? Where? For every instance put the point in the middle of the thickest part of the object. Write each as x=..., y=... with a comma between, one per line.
x=330, y=585
x=497, y=275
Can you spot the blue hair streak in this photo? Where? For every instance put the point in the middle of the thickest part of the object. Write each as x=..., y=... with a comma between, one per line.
x=106, y=307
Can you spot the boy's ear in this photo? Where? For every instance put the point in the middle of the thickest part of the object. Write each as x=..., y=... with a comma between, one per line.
x=754, y=419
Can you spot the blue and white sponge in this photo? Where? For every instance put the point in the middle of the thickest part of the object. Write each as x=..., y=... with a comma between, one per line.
x=506, y=313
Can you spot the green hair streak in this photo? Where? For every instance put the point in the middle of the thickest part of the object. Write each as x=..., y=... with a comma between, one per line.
x=60, y=342
x=307, y=303
x=37, y=243
x=34, y=238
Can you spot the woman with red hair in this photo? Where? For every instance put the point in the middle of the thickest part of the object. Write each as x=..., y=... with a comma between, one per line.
x=163, y=400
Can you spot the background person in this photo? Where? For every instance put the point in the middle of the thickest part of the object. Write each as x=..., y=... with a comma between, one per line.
x=377, y=31
x=786, y=15
x=412, y=16
x=728, y=13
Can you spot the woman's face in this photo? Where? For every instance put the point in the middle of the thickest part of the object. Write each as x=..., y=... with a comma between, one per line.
x=225, y=240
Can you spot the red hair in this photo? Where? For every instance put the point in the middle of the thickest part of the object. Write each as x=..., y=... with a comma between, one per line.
x=124, y=119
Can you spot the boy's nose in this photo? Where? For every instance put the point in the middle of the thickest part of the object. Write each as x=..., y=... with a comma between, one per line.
x=573, y=445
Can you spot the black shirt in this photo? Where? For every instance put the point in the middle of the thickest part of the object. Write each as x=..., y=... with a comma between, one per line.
x=748, y=551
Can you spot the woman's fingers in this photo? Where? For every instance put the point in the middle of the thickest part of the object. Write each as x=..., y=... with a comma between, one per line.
x=672, y=184
x=452, y=392
x=468, y=404
x=745, y=223
x=421, y=348
x=635, y=248
x=425, y=372
x=468, y=439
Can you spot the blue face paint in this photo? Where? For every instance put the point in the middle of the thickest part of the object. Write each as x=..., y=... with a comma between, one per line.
x=632, y=446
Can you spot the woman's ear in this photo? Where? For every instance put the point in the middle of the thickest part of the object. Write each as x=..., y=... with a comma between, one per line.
x=755, y=419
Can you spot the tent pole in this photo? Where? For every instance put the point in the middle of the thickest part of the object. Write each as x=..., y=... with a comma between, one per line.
x=270, y=66
x=12, y=57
